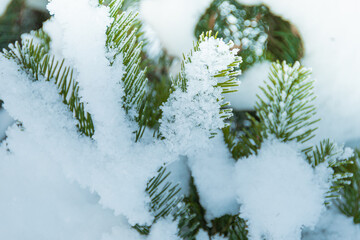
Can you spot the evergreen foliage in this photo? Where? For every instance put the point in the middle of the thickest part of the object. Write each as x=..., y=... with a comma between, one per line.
x=226, y=86
x=121, y=38
x=349, y=203
x=287, y=110
x=284, y=110
x=39, y=64
x=258, y=32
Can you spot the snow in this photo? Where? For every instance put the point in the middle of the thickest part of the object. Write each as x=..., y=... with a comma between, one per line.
x=174, y=21
x=110, y=165
x=245, y=96
x=191, y=117
x=3, y=5
x=202, y=235
x=93, y=66
x=164, y=229
x=213, y=171
x=271, y=189
x=333, y=225
x=180, y=174
x=333, y=52
x=38, y=202
x=53, y=28
x=5, y=122
x=122, y=231
x=58, y=184
x=120, y=184
x=100, y=85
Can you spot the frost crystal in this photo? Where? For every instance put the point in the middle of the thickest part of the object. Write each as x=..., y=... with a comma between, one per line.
x=189, y=117
x=192, y=116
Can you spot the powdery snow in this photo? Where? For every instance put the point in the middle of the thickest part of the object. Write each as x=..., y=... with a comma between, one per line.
x=95, y=76
x=37, y=200
x=120, y=184
x=333, y=225
x=3, y=5
x=5, y=122
x=75, y=187
x=332, y=51
x=190, y=118
x=164, y=229
x=202, y=235
x=122, y=231
x=213, y=171
x=245, y=96
x=174, y=21
x=279, y=192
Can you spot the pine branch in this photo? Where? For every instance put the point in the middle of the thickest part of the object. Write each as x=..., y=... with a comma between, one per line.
x=238, y=229
x=259, y=33
x=40, y=65
x=164, y=197
x=239, y=23
x=230, y=74
x=336, y=158
x=231, y=227
x=192, y=215
x=287, y=110
x=349, y=203
x=121, y=40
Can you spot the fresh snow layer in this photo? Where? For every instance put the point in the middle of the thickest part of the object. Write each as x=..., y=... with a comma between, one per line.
x=164, y=229
x=95, y=76
x=3, y=5
x=5, y=122
x=123, y=232
x=55, y=181
x=56, y=33
x=37, y=200
x=332, y=50
x=213, y=171
x=120, y=183
x=202, y=235
x=101, y=89
x=246, y=95
x=279, y=192
x=333, y=225
x=189, y=119
x=174, y=21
